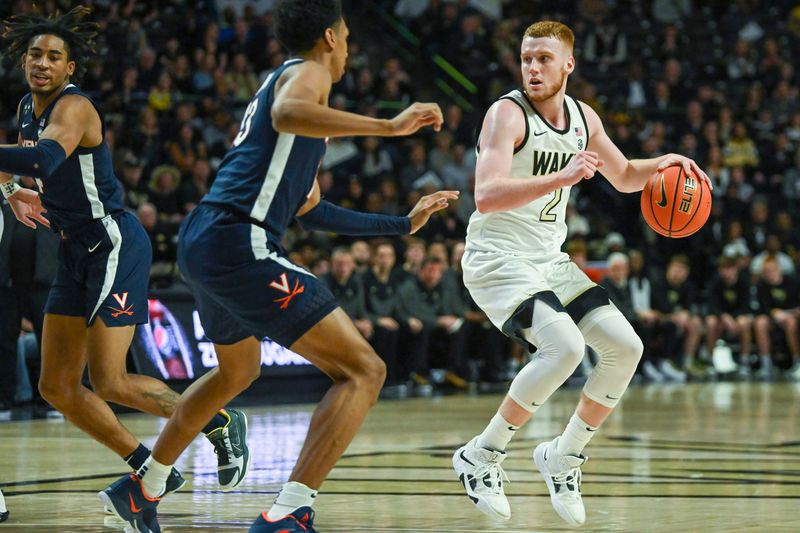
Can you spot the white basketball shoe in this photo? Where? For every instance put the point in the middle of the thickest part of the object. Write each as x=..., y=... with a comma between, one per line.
x=562, y=473
x=482, y=476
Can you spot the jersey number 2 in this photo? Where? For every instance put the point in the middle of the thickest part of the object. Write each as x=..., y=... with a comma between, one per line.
x=247, y=120
x=547, y=214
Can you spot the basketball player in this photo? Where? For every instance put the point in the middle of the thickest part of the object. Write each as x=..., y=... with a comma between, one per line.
x=246, y=288
x=535, y=144
x=100, y=290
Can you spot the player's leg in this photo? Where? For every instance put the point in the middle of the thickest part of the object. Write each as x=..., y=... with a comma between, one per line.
x=63, y=362
x=134, y=498
x=559, y=344
x=358, y=375
x=609, y=334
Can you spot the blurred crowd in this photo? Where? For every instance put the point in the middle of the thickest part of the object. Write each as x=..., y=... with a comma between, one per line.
x=715, y=81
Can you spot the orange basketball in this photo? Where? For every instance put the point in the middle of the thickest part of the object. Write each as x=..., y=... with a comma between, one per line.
x=676, y=204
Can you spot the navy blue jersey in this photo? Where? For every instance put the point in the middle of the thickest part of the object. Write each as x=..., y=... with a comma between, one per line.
x=267, y=176
x=84, y=187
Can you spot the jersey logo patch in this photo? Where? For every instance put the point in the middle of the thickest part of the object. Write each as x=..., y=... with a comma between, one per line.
x=282, y=284
x=123, y=309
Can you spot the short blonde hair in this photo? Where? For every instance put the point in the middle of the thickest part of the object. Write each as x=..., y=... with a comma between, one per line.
x=551, y=28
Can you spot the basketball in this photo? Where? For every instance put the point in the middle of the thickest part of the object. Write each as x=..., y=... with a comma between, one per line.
x=676, y=204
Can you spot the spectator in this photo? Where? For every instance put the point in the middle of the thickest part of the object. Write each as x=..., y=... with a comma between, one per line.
x=674, y=298
x=729, y=311
x=433, y=316
x=778, y=307
x=740, y=150
x=349, y=291
x=163, y=192
x=616, y=285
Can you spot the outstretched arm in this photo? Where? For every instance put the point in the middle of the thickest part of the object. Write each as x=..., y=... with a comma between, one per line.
x=503, y=130
x=301, y=108
x=320, y=214
x=630, y=175
x=68, y=125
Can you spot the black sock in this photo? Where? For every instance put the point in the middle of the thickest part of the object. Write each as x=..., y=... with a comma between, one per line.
x=137, y=458
x=217, y=422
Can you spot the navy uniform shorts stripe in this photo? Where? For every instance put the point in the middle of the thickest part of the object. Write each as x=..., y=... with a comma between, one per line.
x=103, y=271
x=240, y=296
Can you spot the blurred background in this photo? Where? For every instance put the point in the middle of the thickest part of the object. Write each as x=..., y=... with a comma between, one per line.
x=714, y=80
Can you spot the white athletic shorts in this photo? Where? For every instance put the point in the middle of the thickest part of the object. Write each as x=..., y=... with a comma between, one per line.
x=499, y=283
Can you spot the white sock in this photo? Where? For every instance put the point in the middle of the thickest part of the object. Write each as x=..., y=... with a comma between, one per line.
x=2, y=503
x=292, y=496
x=575, y=437
x=154, y=477
x=497, y=434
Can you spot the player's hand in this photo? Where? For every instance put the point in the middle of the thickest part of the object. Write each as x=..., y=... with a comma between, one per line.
x=415, y=325
x=27, y=207
x=427, y=206
x=582, y=166
x=416, y=116
x=688, y=165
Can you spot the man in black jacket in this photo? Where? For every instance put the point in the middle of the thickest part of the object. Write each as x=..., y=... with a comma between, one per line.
x=433, y=316
x=675, y=299
x=381, y=283
x=729, y=310
x=778, y=309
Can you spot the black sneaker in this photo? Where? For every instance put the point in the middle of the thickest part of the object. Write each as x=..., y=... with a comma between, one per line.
x=230, y=445
x=126, y=498
x=300, y=521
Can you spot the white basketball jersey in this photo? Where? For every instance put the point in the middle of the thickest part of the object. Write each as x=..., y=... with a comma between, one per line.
x=537, y=229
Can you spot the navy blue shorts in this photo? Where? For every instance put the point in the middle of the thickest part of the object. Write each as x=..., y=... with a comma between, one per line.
x=103, y=270
x=244, y=286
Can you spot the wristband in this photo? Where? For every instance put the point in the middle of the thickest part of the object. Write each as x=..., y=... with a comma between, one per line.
x=9, y=188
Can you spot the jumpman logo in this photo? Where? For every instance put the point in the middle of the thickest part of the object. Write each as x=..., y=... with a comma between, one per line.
x=123, y=310
x=282, y=284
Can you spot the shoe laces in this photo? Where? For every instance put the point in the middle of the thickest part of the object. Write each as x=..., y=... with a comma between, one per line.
x=567, y=478
x=492, y=469
x=222, y=446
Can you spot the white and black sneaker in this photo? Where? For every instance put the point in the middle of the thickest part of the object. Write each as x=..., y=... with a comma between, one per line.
x=562, y=473
x=230, y=445
x=482, y=476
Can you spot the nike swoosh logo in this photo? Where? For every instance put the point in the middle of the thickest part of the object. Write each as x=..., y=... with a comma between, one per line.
x=590, y=429
x=465, y=459
x=611, y=397
x=511, y=428
x=26, y=125
x=537, y=133
x=133, y=505
x=93, y=248
x=536, y=404
x=545, y=455
x=663, y=201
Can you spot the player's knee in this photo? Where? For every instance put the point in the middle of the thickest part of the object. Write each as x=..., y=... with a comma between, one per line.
x=630, y=349
x=574, y=348
x=53, y=391
x=369, y=373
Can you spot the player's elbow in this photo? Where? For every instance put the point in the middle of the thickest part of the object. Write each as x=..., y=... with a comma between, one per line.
x=283, y=117
x=484, y=202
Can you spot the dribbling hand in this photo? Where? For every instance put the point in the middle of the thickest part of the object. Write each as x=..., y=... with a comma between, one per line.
x=582, y=166
x=416, y=116
x=427, y=206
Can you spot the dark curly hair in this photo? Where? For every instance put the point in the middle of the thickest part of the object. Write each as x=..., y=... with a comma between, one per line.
x=78, y=35
x=300, y=23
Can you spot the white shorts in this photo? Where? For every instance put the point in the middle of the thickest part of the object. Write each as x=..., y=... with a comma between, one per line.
x=499, y=283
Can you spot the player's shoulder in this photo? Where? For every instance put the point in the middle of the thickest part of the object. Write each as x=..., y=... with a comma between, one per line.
x=592, y=118
x=74, y=102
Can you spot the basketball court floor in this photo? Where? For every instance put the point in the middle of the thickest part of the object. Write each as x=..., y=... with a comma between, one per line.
x=707, y=457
